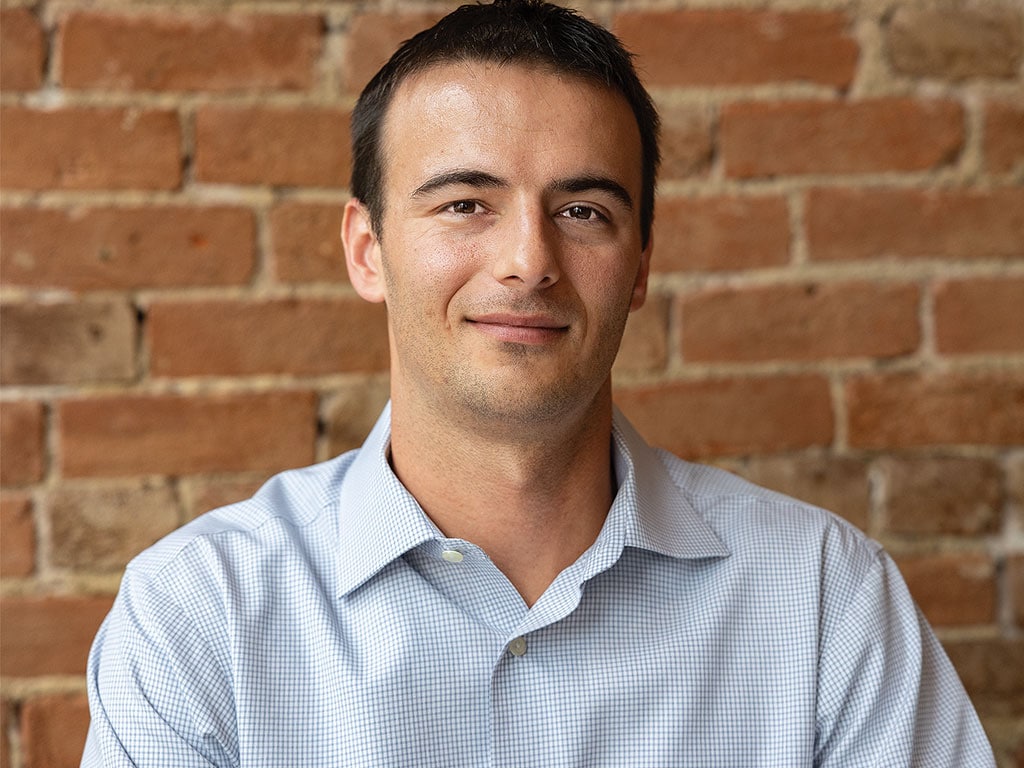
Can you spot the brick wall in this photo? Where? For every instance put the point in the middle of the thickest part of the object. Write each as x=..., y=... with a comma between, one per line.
x=837, y=304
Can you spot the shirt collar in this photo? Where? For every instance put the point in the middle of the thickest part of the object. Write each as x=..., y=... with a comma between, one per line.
x=379, y=520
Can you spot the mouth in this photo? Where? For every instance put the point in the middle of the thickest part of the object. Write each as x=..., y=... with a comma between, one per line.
x=520, y=329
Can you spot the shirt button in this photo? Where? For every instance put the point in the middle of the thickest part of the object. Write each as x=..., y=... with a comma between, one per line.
x=517, y=647
x=452, y=556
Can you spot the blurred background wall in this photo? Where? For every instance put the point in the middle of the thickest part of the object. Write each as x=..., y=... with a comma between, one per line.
x=836, y=309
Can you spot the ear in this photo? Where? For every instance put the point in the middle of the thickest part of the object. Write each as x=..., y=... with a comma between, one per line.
x=362, y=252
x=640, y=286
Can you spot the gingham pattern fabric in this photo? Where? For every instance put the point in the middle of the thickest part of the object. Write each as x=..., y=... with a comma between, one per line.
x=327, y=622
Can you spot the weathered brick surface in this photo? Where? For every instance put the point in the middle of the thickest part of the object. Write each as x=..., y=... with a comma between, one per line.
x=732, y=47
x=720, y=233
x=1004, y=136
x=894, y=223
x=1015, y=578
x=89, y=148
x=308, y=336
x=372, y=37
x=687, y=142
x=101, y=528
x=22, y=50
x=306, y=241
x=141, y=435
x=48, y=635
x=801, y=137
x=839, y=485
x=955, y=43
x=992, y=672
x=724, y=417
x=5, y=739
x=53, y=729
x=952, y=590
x=800, y=322
x=111, y=248
x=299, y=146
x=17, y=536
x=189, y=51
x=896, y=410
x=67, y=343
x=22, y=458
x=980, y=315
x=942, y=495
x=351, y=414
x=645, y=342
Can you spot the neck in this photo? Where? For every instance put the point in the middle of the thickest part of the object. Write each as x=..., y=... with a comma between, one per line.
x=534, y=499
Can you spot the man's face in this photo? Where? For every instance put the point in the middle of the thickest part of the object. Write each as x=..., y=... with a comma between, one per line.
x=509, y=253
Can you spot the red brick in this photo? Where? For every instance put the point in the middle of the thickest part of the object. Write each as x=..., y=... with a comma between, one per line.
x=299, y=146
x=1015, y=579
x=645, y=342
x=800, y=322
x=48, y=635
x=72, y=342
x=372, y=38
x=982, y=315
x=686, y=143
x=85, y=249
x=89, y=148
x=190, y=51
x=101, y=528
x=22, y=50
x=5, y=741
x=834, y=483
x=307, y=243
x=352, y=412
x=23, y=459
x=720, y=233
x=738, y=47
x=942, y=495
x=801, y=137
x=847, y=224
x=897, y=410
x=992, y=671
x=952, y=590
x=296, y=336
x=955, y=44
x=53, y=730
x=722, y=417
x=171, y=435
x=17, y=537
x=1004, y=136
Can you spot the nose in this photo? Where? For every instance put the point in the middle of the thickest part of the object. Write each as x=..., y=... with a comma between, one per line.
x=527, y=256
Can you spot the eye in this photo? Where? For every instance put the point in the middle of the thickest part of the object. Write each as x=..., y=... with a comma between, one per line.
x=583, y=213
x=465, y=207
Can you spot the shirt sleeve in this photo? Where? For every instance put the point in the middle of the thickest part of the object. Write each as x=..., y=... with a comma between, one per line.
x=888, y=694
x=160, y=693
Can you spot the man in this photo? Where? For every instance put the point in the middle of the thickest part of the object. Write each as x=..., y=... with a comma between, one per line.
x=506, y=574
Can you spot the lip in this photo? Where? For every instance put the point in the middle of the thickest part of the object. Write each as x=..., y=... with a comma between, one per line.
x=520, y=329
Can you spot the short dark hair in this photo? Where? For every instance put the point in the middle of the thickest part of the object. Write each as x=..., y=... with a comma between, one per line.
x=531, y=32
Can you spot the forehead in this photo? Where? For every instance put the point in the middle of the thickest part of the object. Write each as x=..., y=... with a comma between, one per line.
x=519, y=117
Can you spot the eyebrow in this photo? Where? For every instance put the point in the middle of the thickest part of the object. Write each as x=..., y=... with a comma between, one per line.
x=483, y=180
x=458, y=177
x=588, y=183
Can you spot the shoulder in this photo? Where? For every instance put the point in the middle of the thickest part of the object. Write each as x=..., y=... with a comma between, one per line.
x=770, y=529
x=285, y=508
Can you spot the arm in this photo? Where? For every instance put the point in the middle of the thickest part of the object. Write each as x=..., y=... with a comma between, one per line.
x=160, y=694
x=888, y=694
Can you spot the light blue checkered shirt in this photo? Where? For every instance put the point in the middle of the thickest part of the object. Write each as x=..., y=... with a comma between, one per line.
x=327, y=622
